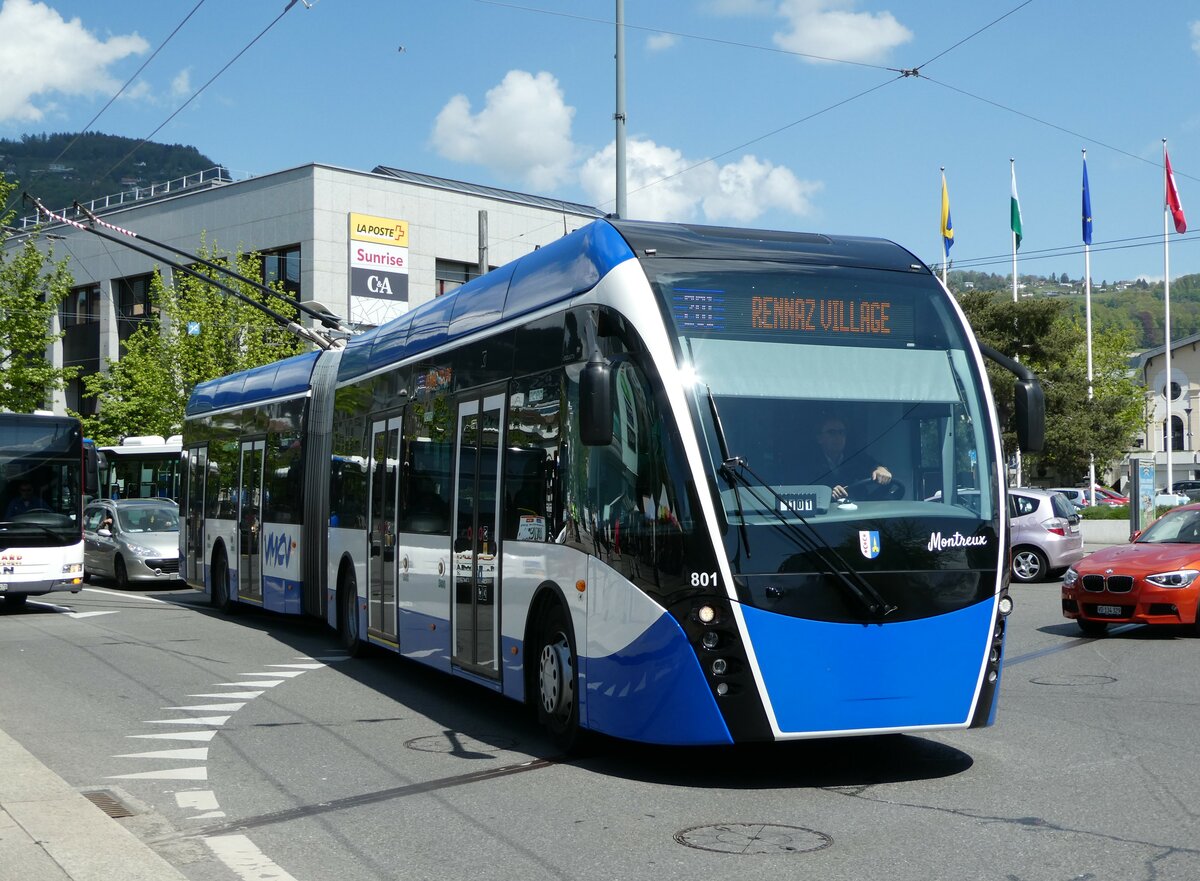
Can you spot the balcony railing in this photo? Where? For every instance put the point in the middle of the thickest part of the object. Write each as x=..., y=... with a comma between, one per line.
x=210, y=177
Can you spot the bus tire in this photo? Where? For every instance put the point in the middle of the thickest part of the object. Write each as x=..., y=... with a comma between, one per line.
x=14, y=601
x=348, y=622
x=557, y=680
x=221, y=599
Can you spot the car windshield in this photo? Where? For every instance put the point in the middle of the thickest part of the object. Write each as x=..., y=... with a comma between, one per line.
x=1175, y=527
x=159, y=518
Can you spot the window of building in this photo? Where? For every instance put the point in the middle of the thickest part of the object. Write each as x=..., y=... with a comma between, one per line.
x=282, y=265
x=133, y=304
x=81, y=306
x=450, y=274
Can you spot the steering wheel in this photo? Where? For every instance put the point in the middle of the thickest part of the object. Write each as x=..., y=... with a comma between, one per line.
x=867, y=489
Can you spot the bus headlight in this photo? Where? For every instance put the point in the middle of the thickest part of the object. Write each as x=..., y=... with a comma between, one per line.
x=1006, y=606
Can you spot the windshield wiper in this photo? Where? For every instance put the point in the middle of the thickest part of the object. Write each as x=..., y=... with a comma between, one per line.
x=727, y=470
x=810, y=540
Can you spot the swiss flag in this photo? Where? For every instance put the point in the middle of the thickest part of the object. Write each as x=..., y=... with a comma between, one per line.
x=1173, y=198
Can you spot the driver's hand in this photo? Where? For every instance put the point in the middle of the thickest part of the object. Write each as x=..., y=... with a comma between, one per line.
x=839, y=492
x=881, y=475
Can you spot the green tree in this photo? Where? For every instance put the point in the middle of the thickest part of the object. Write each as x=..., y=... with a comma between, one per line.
x=205, y=333
x=32, y=286
x=1043, y=334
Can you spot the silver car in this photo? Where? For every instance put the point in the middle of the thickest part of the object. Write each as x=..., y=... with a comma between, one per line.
x=1046, y=537
x=132, y=541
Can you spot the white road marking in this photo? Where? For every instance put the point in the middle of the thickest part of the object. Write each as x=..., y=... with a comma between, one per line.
x=207, y=816
x=216, y=721
x=211, y=708
x=89, y=614
x=125, y=596
x=197, y=799
x=290, y=674
x=246, y=695
x=298, y=666
x=198, y=772
x=203, y=736
x=195, y=752
x=241, y=855
x=262, y=683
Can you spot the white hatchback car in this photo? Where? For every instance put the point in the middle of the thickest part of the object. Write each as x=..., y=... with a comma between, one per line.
x=1046, y=537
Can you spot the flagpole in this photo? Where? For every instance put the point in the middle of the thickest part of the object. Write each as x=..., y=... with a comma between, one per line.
x=1087, y=297
x=1012, y=167
x=946, y=252
x=1168, y=441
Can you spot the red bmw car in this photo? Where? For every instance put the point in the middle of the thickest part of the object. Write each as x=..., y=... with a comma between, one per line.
x=1151, y=580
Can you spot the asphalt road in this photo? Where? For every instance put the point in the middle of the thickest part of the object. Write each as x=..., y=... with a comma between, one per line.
x=318, y=766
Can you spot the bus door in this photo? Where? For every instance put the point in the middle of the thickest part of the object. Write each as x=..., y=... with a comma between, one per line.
x=381, y=560
x=192, y=529
x=249, y=521
x=476, y=536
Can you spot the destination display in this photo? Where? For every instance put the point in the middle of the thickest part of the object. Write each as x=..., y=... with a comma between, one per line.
x=826, y=316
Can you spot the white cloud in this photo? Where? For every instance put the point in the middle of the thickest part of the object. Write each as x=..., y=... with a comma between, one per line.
x=181, y=86
x=42, y=55
x=659, y=42
x=1195, y=29
x=523, y=130
x=829, y=28
x=737, y=192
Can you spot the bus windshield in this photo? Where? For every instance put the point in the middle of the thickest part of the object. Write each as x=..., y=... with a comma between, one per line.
x=848, y=394
x=41, y=465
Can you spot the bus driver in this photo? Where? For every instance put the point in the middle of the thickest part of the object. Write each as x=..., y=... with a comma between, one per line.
x=832, y=467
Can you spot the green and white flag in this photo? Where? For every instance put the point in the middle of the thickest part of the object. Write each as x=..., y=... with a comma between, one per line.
x=1015, y=210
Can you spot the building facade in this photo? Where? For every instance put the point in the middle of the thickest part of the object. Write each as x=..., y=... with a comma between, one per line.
x=366, y=246
x=1172, y=413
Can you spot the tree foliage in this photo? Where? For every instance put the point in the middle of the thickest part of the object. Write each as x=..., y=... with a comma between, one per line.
x=32, y=286
x=204, y=333
x=1044, y=335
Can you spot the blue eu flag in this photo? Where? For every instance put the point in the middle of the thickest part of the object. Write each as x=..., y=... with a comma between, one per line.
x=1087, y=207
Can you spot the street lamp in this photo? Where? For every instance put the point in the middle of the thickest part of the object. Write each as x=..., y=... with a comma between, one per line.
x=1188, y=412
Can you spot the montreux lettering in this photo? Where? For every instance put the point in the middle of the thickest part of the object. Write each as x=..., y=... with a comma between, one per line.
x=815, y=315
x=939, y=543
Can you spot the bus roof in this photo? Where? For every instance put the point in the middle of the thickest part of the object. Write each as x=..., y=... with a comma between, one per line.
x=279, y=379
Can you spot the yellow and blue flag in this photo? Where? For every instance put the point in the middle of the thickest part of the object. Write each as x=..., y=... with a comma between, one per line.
x=947, y=224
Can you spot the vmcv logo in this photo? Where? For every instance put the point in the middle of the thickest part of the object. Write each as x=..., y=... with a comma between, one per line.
x=279, y=549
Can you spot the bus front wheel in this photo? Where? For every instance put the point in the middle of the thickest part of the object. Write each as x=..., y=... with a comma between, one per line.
x=348, y=623
x=221, y=599
x=558, y=680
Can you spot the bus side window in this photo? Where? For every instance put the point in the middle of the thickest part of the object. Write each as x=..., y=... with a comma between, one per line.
x=530, y=472
x=425, y=488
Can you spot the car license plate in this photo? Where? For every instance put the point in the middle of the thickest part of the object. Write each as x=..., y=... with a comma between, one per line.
x=1114, y=611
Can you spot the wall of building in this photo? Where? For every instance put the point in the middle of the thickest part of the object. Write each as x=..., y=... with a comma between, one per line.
x=308, y=206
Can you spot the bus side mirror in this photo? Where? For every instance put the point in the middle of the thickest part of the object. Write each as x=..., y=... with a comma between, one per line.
x=595, y=403
x=1031, y=416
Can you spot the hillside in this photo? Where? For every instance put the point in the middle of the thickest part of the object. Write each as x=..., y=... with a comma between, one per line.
x=89, y=169
x=1133, y=306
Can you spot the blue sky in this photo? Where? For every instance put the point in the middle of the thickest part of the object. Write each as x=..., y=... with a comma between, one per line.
x=733, y=116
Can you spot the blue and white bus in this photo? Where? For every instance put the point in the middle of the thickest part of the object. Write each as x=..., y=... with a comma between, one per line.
x=588, y=480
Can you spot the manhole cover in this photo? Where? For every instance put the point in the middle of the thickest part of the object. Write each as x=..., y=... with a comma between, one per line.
x=756, y=838
x=458, y=744
x=1073, y=679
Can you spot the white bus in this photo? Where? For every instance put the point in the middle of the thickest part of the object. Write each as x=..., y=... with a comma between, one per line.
x=41, y=506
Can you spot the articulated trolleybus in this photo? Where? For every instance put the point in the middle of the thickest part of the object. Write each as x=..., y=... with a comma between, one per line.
x=593, y=480
x=41, y=494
